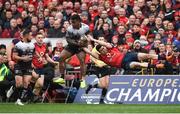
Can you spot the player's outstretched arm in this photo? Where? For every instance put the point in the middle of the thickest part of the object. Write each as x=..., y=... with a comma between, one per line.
x=106, y=44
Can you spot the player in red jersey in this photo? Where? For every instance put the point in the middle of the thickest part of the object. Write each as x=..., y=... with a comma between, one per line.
x=113, y=57
x=40, y=64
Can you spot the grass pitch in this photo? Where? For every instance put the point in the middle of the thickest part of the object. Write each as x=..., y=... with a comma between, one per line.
x=84, y=108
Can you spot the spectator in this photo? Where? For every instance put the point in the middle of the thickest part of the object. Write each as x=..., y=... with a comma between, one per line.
x=115, y=41
x=132, y=19
x=7, y=5
x=31, y=10
x=34, y=20
x=41, y=24
x=25, y=5
x=121, y=34
x=106, y=31
x=51, y=21
x=84, y=18
x=59, y=17
x=66, y=24
x=158, y=25
x=5, y=74
x=176, y=20
x=136, y=31
x=153, y=10
x=122, y=16
x=168, y=11
x=67, y=12
x=13, y=31
x=77, y=6
x=138, y=47
x=15, y=12
x=151, y=21
x=20, y=6
x=109, y=9
x=115, y=23
x=19, y=23
x=26, y=19
x=8, y=17
x=56, y=31
x=34, y=30
x=163, y=66
x=161, y=31
x=106, y=18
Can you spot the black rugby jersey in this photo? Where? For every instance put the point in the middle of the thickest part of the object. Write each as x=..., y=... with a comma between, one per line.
x=24, y=49
x=77, y=33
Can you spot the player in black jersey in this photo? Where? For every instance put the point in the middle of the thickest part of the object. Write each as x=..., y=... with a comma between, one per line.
x=23, y=53
x=74, y=33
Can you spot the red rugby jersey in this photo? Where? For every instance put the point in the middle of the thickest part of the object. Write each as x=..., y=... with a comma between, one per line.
x=113, y=58
x=39, y=51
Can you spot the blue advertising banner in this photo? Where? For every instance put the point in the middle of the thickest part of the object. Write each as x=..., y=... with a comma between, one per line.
x=134, y=90
x=93, y=96
x=144, y=90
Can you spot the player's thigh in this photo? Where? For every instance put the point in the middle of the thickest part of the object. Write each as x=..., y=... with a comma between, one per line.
x=27, y=78
x=65, y=54
x=81, y=56
x=35, y=75
x=102, y=82
x=107, y=80
x=19, y=80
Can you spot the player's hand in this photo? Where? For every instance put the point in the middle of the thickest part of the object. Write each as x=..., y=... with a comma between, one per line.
x=27, y=58
x=83, y=42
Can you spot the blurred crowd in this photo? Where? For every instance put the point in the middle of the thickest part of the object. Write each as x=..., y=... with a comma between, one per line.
x=148, y=26
x=131, y=25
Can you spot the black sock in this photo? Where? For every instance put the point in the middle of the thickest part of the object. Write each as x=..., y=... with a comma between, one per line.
x=24, y=92
x=95, y=86
x=19, y=91
x=103, y=94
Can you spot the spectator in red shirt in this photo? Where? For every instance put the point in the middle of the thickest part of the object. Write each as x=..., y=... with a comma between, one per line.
x=109, y=9
x=122, y=16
